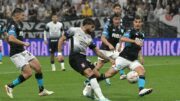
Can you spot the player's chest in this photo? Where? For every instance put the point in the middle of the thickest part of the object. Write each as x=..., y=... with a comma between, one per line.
x=83, y=39
x=116, y=33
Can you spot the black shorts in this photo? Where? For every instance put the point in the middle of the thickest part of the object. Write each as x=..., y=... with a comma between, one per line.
x=79, y=63
x=53, y=45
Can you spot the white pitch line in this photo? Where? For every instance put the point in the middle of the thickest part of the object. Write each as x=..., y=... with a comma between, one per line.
x=13, y=72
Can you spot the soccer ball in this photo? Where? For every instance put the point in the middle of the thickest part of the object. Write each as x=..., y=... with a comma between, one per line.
x=132, y=77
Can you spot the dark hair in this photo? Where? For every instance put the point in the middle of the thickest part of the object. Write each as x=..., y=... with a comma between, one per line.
x=116, y=5
x=17, y=10
x=88, y=21
x=138, y=17
x=113, y=16
x=53, y=14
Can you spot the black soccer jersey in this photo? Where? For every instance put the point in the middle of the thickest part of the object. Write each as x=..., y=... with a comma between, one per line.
x=131, y=50
x=112, y=35
x=15, y=30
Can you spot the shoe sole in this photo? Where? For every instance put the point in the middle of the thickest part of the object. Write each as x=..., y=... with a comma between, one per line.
x=148, y=92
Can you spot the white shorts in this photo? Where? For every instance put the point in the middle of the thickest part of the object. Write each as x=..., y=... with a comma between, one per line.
x=121, y=63
x=22, y=59
x=111, y=54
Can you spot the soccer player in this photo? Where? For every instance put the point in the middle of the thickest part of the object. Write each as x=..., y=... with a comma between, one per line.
x=80, y=39
x=23, y=59
x=129, y=56
x=55, y=30
x=1, y=33
x=116, y=11
x=111, y=35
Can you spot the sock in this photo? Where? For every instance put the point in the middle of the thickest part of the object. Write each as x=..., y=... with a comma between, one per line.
x=102, y=77
x=95, y=86
x=0, y=56
x=62, y=64
x=141, y=82
x=39, y=78
x=121, y=72
x=17, y=81
x=53, y=66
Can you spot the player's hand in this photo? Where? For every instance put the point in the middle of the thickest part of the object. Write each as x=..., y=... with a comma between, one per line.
x=60, y=58
x=139, y=43
x=119, y=49
x=111, y=47
x=27, y=44
x=45, y=42
x=112, y=61
x=141, y=59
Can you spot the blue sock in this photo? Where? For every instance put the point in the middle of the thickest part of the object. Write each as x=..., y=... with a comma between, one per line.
x=121, y=72
x=40, y=82
x=0, y=56
x=17, y=81
x=141, y=82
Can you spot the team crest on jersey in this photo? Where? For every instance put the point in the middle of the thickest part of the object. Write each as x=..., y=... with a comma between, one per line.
x=83, y=65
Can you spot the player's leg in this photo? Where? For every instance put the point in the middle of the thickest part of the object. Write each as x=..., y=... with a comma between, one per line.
x=25, y=73
x=122, y=74
x=53, y=66
x=136, y=66
x=81, y=65
x=35, y=65
x=0, y=51
x=120, y=63
x=55, y=49
x=94, y=84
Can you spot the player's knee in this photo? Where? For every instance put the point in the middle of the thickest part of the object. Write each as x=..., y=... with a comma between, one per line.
x=88, y=72
x=140, y=70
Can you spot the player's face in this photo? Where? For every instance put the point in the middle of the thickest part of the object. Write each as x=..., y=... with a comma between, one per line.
x=20, y=16
x=137, y=23
x=54, y=18
x=117, y=10
x=116, y=21
x=90, y=28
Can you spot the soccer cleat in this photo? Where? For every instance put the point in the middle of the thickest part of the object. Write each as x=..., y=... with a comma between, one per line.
x=108, y=81
x=9, y=91
x=45, y=93
x=63, y=69
x=86, y=82
x=145, y=91
x=87, y=91
x=105, y=99
x=122, y=77
x=53, y=68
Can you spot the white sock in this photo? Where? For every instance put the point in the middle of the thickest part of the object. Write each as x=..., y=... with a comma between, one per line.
x=62, y=65
x=95, y=86
x=53, y=66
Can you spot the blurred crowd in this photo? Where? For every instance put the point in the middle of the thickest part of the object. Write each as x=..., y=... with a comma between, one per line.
x=71, y=9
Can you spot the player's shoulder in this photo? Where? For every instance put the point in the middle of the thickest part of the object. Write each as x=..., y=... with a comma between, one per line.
x=49, y=23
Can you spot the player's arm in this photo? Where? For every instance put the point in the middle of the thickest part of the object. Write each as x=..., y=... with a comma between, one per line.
x=45, y=34
x=60, y=44
x=120, y=45
x=13, y=39
x=126, y=38
x=141, y=58
x=105, y=35
x=65, y=36
x=99, y=53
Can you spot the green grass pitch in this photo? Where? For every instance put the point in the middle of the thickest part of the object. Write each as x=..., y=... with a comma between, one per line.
x=162, y=74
